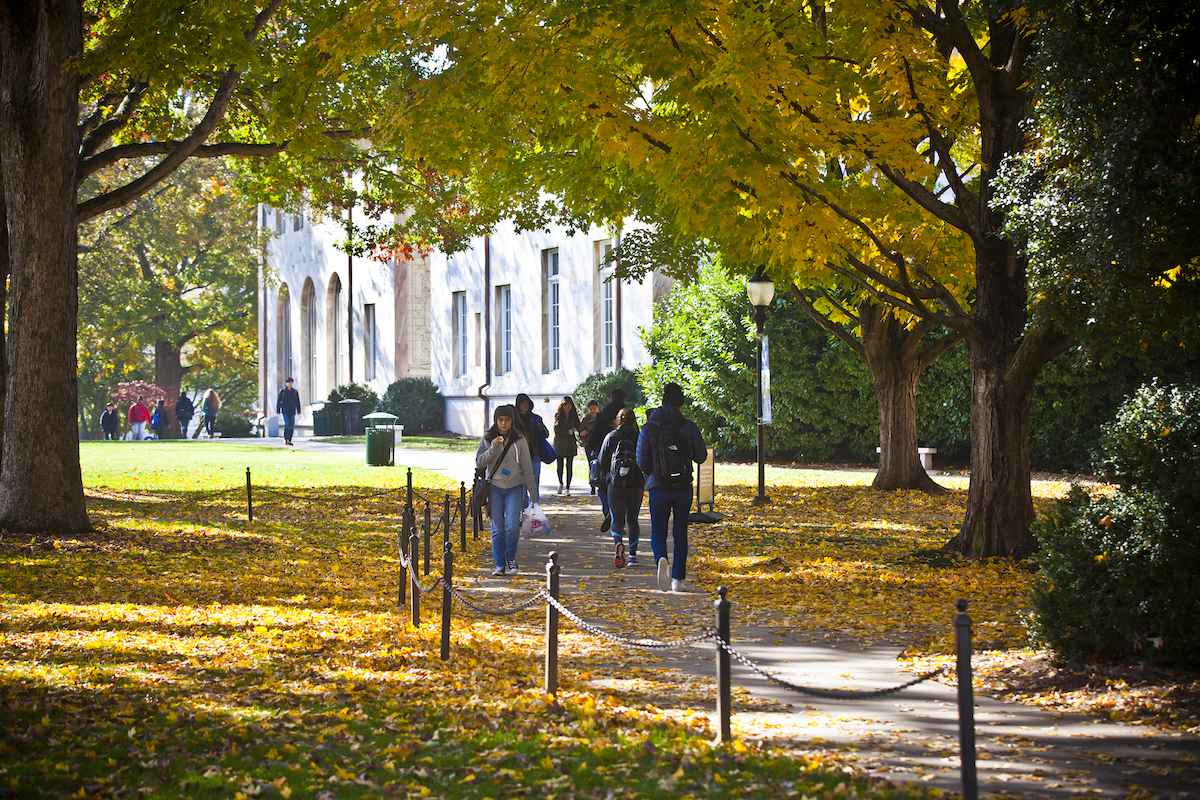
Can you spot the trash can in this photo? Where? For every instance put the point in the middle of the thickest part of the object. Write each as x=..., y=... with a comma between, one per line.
x=351, y=415
x=322, y=424
x=381, y=439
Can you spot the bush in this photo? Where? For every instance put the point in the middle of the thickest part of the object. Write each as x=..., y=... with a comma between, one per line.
x=366, y=397
x=1120, y=575
x=231, y=425
x=599, y=385
x=417, y=402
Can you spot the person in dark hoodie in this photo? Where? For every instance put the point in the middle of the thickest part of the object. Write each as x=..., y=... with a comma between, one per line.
x=667, y=447
x=601, y=427
x=535, y=430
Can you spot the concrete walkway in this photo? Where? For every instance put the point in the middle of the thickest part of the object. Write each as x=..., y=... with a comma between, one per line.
x=912, y=736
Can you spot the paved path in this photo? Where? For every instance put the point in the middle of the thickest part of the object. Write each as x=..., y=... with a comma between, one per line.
x=913, y=736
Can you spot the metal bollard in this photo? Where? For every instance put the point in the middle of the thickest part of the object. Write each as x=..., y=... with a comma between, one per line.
x=414, y=593
x=724, y=682
x=966, y=702
x=552, y=571
x=428, y=533
x=408, y=491
x=447, y=576
x=403, y=569
x=249, y=499
x=445, y=520
x=462, y=517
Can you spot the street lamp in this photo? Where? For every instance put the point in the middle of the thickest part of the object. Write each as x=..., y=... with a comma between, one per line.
x=760, y=289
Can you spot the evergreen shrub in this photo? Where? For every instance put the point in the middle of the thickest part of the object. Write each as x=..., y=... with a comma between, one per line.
x=599, y=385
x=365, y=395
x=231, y=425
x=417, y=402
x=1120, y=575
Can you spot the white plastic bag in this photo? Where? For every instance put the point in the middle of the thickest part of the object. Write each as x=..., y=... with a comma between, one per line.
x=534, y=522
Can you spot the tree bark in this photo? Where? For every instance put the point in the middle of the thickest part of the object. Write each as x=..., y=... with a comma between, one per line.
x=4, y=272
x=41, y=487
x=168, y=376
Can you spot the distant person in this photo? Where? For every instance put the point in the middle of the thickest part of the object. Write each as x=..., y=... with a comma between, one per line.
x=585, y=430
x=532, y=426
x=601, y=428
x=110, y=422
x=211, y=406
x=159, y=420
x=504, y=454
x=288, y=404
x=622, y=479
x=184, y=411
x=566, y=429
x=138, y=415
x=666, y=449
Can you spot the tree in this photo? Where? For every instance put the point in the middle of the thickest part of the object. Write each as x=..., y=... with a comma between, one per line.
x=166, y=273
x=805, y=138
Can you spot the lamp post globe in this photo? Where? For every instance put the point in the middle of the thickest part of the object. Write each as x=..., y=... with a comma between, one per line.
x=761, y=290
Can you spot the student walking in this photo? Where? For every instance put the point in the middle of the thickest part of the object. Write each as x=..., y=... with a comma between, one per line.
x=184, y=411
x=159, y=420
x=504, y=453
x=624, y=482
x=138, y=415
x=288, y=404
x=211, y=405
x=566, y=429
x=667, y=446
x=602, y=426
x=535, y=431
x=585, y=430
x=110, y=421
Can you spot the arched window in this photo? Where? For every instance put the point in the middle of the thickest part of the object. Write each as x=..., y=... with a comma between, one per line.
x=283, y=336
x=335, y=331
x=308, y=342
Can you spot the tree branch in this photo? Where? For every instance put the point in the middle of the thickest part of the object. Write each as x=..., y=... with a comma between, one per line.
x=826, y=324
x=105, y=131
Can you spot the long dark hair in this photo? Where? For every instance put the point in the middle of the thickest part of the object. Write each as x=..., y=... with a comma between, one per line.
x=561, y=415
x=511, y=413
x=625, y=419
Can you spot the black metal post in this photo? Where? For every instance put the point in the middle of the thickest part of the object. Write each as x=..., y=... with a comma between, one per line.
x=724, y=682
x=447, y=577
x=760, y=318
x=428, y=533
x=249, y=498
x=446, y=520
x=403, y=591
x=966, y=702
x=552, y=572
x=408, y=491
x=462, y=517
x=414, y=592
x=476, y=520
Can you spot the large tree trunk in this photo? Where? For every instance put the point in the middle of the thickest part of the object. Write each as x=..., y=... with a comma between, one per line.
x=896, y=365
x=41, y=488
x=3, y=306
x=168, y=376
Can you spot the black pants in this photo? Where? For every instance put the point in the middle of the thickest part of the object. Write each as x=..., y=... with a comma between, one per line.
x=567, y=460
x=625, y=503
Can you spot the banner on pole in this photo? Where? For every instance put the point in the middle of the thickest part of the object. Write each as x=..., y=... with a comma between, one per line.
x=765, y=366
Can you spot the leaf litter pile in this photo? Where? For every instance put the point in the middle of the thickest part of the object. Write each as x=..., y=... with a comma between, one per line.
x=180, y=651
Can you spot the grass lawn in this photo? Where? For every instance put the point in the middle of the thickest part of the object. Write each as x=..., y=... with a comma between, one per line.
x=453, y=445
x=180, y=651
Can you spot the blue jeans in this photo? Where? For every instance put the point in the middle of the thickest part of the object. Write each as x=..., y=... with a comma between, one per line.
x=662, y=505
x=625, y=504
x=506, y=505
x=289, y=426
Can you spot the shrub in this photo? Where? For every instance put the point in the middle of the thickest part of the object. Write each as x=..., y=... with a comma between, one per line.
x=231, y=425
x=599, y=385
x=366, y=397
x=1120, y=575
x=417, y=402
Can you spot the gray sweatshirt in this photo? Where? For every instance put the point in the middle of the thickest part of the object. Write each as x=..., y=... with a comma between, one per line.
x=516, y=469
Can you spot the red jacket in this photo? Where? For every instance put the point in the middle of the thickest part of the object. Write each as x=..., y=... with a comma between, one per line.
x=138, y=413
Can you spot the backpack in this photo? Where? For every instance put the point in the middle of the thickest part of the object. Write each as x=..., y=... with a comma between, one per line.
x=672, y=458
x=623, y=470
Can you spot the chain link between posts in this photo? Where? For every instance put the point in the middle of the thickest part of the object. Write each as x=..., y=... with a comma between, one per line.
x=646, y=644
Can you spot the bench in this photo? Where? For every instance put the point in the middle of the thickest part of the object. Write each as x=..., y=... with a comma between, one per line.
x=926, y=454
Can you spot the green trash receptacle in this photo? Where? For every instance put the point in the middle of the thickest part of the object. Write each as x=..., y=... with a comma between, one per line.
x=321, y=416
x=381, y=439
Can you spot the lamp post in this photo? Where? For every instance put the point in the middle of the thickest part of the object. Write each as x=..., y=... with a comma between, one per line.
x=760, y=289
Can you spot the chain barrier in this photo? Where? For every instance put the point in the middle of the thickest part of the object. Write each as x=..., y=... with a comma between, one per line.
x=498, y=612
x=834, y=694
x=646, y=644
x=417, y=582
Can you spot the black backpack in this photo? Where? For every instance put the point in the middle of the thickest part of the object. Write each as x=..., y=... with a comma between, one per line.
x=623, y=470
x=672, y=458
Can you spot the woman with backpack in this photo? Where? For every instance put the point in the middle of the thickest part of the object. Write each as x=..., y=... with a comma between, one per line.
x=211, y=406
x=503, y=453
x=566, y=428
x=621, y=477
x=533, y=427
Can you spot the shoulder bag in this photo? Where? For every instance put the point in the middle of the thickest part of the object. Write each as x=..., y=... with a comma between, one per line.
x=481, y=489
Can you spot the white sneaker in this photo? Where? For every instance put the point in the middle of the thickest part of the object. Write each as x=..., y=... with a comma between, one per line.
x=497, y=572
x=677, y=587
x=664, y=575
x=512, y=568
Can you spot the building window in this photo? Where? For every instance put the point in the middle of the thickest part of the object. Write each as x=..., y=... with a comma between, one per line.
x=297, y=222
x=337, y=326
x=308, y=340
x=370, y=341
x=278, y=221
x=504, y=330
x=458, y=327
x=551, y=311
x=608, y=310
x=283, y=326
x=478, y=339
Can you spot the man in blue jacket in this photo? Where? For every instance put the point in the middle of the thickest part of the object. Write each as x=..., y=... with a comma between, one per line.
x=288, y=404
x=666, y=449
